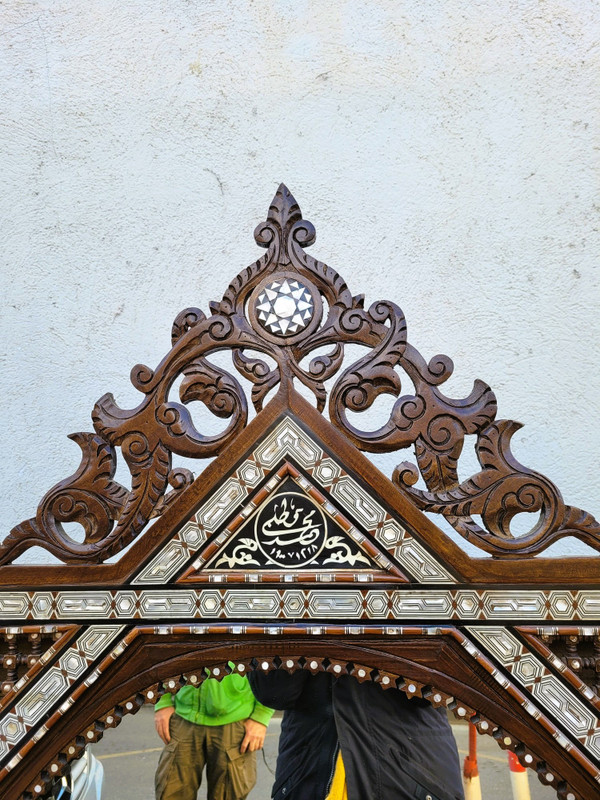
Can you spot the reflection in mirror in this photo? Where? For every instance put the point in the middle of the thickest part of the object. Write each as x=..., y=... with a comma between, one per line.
x=129, y=755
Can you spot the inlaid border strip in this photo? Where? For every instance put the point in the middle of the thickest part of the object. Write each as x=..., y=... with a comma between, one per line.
x=531, y=634
x=259, y=602
x=55, y=686
x=540, y=683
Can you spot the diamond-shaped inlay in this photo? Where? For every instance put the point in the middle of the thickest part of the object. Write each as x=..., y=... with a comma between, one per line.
x=377, y=604
x=467, y=602
x=250, y=473
x=390, y=534
x=73, y=664
x=528, y=669
x=293, y=602
x=285, y=307
x=326, y=471
x=12, y=728
x=210, y=603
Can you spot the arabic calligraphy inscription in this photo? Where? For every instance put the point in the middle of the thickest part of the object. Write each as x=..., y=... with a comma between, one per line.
x=290, y=531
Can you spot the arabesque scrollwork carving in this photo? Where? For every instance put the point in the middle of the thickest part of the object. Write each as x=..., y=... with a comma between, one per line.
x=288, y=317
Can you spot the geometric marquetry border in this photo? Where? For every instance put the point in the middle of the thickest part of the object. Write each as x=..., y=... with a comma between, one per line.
x=531, y=635
x=315, y=664
x=289, y=440
x=532, y=674
x=59, y=684
x=219, y=602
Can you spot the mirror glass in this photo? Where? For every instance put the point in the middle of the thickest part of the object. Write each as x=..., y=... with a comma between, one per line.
x=129, y=755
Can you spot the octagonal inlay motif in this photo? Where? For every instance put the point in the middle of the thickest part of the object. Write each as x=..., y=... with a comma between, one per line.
x=527, y=669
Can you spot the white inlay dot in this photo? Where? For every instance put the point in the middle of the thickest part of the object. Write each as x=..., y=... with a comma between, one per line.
x=289, y=663
x=265, y=665
x=313, y=665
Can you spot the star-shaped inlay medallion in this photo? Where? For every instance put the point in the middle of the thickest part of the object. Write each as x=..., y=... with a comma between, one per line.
x=285, y=307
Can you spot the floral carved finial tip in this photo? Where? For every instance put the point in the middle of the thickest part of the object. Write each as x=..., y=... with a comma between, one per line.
x=284, y=213
x=284, y=210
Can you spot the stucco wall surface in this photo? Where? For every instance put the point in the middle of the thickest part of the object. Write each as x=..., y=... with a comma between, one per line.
x=446, y=151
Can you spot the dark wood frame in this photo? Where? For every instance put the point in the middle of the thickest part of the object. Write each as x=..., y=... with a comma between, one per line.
x=497, y=640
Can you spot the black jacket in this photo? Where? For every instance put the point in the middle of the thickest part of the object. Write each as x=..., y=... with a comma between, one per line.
x=393, y=748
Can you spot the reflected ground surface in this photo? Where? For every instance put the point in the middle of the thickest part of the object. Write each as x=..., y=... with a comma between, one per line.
x=130, y=753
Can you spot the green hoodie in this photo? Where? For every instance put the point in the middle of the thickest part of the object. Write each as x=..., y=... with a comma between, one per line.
x=217, y=702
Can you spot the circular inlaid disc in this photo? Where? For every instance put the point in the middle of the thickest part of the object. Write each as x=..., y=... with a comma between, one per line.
x=284, y=307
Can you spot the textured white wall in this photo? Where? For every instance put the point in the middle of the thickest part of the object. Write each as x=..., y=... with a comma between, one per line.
x=446, y=151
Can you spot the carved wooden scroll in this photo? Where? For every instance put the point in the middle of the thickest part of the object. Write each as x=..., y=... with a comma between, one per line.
x=291, y=550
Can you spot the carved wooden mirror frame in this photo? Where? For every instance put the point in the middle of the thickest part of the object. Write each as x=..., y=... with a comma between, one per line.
x=291, y=550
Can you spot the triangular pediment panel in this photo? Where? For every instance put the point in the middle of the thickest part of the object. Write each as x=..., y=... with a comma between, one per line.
x=357, y=538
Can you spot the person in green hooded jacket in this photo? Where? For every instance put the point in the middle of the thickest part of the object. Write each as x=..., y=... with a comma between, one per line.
x=218, y=725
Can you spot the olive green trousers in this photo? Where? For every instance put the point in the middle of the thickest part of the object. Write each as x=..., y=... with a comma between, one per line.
x=230, y=775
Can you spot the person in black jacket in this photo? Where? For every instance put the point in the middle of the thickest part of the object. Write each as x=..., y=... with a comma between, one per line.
x=393, y=748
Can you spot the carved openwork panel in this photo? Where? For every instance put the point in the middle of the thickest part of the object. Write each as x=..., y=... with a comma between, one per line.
x=291, y=550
